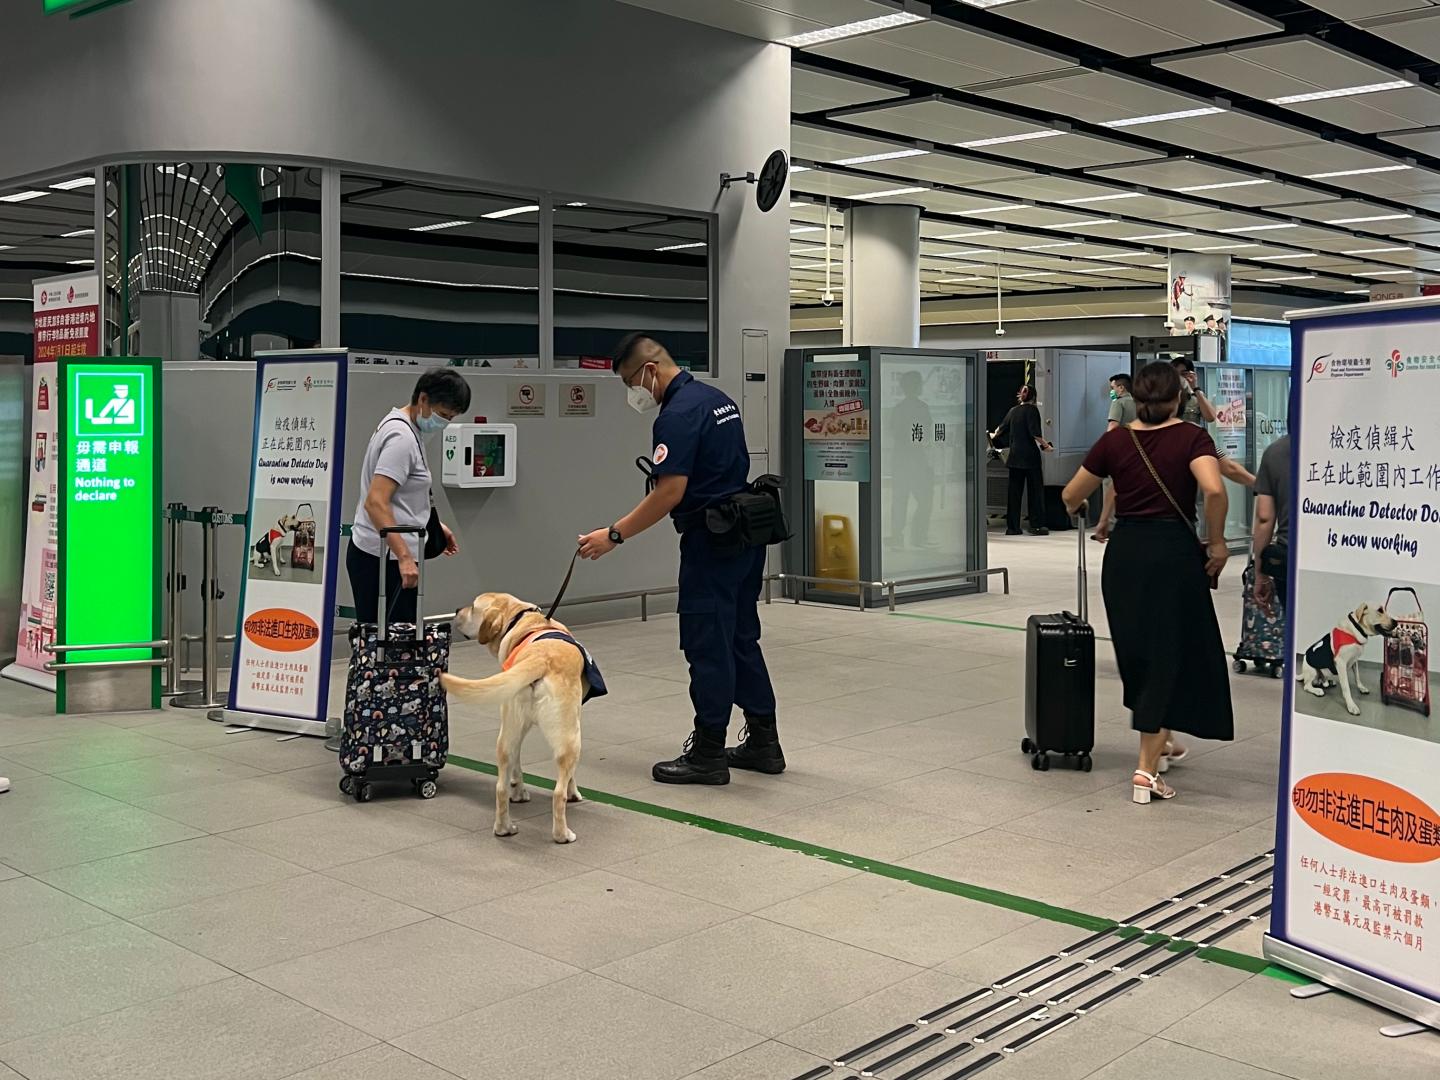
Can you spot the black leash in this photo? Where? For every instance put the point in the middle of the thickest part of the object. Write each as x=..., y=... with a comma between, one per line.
x=563, y=585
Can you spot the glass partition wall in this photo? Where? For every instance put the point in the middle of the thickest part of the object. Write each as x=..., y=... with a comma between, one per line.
x=884, y=446
x=224, y=259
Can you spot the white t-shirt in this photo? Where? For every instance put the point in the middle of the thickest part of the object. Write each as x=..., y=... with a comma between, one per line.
x=394, y=452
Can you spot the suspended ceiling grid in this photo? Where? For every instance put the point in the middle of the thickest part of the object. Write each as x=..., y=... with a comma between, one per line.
x=1071, y=144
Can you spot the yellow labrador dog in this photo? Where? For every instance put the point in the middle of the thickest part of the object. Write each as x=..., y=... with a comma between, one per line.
x=545, y=676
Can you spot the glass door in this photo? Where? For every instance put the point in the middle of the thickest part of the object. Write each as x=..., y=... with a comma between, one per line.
x=1272, y=408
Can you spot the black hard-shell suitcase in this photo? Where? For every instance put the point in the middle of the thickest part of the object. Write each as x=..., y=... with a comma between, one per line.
x=395, y=723
x=1060, y=683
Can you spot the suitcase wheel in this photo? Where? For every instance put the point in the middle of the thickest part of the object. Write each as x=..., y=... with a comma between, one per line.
x=1277, y=670
x=1026, y=746
x=1084, y=763
x=363, y=792
x=1040, y=762
x=347, y=785
x=1239, y=666
x=426, y=789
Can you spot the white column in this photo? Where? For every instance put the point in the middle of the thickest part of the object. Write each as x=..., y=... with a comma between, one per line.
x=882, y=275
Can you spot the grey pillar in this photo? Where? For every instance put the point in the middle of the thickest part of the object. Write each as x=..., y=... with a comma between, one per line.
x=882, y=275
x=330, y=258
x=169, y=325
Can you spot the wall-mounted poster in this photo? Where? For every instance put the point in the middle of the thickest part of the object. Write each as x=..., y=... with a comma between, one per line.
x=837, y=419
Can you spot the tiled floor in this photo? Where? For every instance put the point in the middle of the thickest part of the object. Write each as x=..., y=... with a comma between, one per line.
x=178, y=902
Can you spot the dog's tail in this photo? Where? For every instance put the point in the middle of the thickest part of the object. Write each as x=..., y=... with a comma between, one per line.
x=497, y=689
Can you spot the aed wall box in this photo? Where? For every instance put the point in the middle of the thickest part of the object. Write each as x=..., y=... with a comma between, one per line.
x=478, y=455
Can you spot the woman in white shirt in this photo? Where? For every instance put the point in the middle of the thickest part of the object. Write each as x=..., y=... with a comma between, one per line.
x=395, y=490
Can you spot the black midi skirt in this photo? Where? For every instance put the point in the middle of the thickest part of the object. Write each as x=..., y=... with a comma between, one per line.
x=1162, y=622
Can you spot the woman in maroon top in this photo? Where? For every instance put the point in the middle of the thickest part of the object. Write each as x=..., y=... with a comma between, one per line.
x=1156, y=579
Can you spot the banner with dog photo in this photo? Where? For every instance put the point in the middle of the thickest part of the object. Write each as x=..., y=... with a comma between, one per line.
x=1357, y=863
x=280, y=676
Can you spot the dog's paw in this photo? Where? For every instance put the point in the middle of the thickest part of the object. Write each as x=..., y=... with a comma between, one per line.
x=520, y=794
x=574, y=797
x=1353, y=710
x=567, y=837
x=1316, y=690
x=506, y=830
x=1362, y=689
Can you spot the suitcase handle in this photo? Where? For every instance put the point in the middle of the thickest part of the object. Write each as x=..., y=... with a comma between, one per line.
x=1082, y=576
x=383, y=629
x=1404, y=589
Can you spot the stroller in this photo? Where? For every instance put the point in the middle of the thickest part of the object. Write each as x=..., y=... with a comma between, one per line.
x=1405, y=678
x=1262, y=632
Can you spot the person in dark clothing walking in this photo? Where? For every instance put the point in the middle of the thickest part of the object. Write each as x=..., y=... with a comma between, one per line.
x=1020, y=431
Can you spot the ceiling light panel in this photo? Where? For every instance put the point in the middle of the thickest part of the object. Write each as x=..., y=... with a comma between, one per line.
x=828, y=34
x=23, y=196
x=890, y=193
x=888, y=155
x=78, y=182
x=1160, y=118
x=1341, y=92
x=509, y=212
x=439, y=225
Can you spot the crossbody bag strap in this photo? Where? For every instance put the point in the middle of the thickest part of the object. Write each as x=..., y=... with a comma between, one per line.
x=418, y=445
x=1155, y=475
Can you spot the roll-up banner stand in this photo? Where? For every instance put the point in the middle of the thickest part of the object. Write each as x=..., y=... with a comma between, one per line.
x=67, y=323
x=280, y=671
x=1357, y=864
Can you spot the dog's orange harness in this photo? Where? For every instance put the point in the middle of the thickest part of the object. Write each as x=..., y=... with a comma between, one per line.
x=520, y=647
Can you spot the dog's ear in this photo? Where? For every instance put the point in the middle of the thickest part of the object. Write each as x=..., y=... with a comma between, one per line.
x=1362, y=612
x=492, y=619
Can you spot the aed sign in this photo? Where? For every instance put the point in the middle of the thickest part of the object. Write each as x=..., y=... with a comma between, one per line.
x=109, y=504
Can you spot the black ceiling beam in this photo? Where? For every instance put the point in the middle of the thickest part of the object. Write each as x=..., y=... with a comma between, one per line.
x=1053, y=234
x=997, y=25
x=1078, y=175
x=1158, y=149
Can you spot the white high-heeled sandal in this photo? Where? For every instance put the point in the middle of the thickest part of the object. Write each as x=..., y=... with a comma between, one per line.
x=1167, y=759
x=1154, y=787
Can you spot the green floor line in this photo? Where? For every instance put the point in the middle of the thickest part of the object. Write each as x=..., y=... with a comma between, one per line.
x=966, y=622
x=994, y=897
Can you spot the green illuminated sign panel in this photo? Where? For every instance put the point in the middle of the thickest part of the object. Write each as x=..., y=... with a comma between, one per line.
x=109, y=509
x=77, y=7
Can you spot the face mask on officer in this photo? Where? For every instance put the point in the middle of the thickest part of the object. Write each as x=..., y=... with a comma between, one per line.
x=641, y=397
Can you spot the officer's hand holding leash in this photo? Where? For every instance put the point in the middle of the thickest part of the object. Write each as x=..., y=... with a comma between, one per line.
x=664, y=497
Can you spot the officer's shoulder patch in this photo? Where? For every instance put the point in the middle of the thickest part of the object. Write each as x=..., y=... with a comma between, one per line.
x=661, y=453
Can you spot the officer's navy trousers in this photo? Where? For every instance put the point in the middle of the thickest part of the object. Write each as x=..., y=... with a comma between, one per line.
x=720, y=630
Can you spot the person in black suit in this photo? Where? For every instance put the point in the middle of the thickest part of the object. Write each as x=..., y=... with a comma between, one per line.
x=1021, y=432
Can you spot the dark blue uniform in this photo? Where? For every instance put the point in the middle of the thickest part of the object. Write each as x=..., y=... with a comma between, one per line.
x=698, y=435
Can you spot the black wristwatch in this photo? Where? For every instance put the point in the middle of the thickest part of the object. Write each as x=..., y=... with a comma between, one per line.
x=615, y=537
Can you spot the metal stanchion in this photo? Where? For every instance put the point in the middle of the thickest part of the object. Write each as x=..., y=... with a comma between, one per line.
x=207, y=696
x=175, y=582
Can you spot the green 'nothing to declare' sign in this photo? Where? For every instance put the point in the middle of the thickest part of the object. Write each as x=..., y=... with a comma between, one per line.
x=109, y=506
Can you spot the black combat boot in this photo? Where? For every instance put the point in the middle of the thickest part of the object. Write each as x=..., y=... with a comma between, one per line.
x=759, y=749
x=701, y=762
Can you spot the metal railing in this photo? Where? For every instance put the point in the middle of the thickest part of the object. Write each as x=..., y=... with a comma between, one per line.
x=205, y=694
x=889, y=587
x=103, y=665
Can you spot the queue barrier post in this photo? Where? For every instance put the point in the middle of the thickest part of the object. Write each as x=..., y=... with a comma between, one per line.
x=208, y=696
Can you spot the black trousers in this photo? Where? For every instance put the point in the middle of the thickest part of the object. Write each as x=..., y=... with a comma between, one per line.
x=720, y=631
x=1020, y=479
x=363, y=569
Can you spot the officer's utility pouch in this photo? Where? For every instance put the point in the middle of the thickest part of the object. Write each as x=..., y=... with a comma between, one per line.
x=754, y=517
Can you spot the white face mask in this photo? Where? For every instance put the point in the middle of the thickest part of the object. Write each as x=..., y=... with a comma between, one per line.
x=640, y=398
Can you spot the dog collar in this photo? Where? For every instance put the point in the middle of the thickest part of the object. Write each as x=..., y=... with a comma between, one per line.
x=1358, y=628
x=516, y=620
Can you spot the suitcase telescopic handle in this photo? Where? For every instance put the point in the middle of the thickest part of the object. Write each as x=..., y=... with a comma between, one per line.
x=1405, y=589
x=383, y=627
x=1082, y=575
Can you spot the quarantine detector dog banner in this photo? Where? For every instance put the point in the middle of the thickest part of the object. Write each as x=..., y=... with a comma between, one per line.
x=283, y=638
x=1357, y=872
